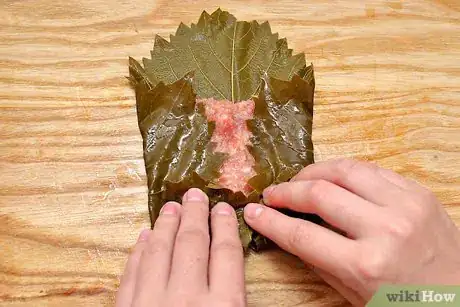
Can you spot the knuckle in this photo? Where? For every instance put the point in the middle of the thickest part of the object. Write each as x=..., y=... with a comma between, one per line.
x=297, y=236
x=318, y=189
x=192, y=235
x=401, y=228
x=420, y=212
x=418, y=207
x=227, y=246
x=427, y=198
x=371, y=267
x=282, y=192
x=346, y=165
x=159, y=245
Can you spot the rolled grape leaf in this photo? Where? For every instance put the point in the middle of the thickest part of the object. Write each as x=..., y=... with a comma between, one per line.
x=223, y=106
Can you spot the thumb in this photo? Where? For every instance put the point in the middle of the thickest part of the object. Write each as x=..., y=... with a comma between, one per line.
x=312, y=243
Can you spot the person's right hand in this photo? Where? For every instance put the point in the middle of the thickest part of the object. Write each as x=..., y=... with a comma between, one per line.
x=396, y=230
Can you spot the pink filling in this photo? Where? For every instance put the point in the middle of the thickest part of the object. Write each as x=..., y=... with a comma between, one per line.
x=231, y=137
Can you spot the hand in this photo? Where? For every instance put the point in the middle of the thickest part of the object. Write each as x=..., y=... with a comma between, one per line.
x=176, y=265
x=395, y=230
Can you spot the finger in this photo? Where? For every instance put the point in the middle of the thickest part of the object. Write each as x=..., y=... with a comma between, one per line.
x=312, y=243
x=350, y=295
x=361, y=178
x=337, y=206
x=155, y=263
x=226, y=264
x=400, y=181
x=189, y=271
x=125, y=292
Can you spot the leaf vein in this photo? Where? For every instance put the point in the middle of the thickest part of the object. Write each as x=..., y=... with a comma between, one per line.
x=250, y=59
x=273, y=59
x=204, y=75
x=218, y=59
x=170, y=67
x=293, y=66
x=249, y=30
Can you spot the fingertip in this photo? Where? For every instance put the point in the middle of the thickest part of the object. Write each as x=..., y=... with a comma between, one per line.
x=276, y=195
x=170, y=208
x=268, y=192
x=223, y=208
x=287, y=194
x=253, y=211
x=195, y=195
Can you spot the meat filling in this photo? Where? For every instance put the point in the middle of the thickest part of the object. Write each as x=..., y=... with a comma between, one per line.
x=232, y=137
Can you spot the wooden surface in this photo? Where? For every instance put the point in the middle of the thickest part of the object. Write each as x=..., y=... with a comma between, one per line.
x=72, y=179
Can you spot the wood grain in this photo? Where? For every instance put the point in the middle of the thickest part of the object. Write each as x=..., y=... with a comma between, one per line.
x=72, y=187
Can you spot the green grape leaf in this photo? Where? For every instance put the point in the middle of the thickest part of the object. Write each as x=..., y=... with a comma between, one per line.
x=228, y=57
x=228, y=60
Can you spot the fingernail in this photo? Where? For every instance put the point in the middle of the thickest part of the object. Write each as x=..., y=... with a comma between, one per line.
x=168, y=209
x=268, y=191
x=144, y=235
x=223, y=209
x=253, y=211
x=194, y=195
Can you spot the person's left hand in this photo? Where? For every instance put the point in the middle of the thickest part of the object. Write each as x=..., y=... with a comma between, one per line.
x=175, y=264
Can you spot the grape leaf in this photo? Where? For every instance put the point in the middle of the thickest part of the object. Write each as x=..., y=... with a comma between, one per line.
x=222, y=58
x=228, y=57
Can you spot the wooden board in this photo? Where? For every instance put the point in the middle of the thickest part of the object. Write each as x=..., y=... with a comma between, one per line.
x=72, y=179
